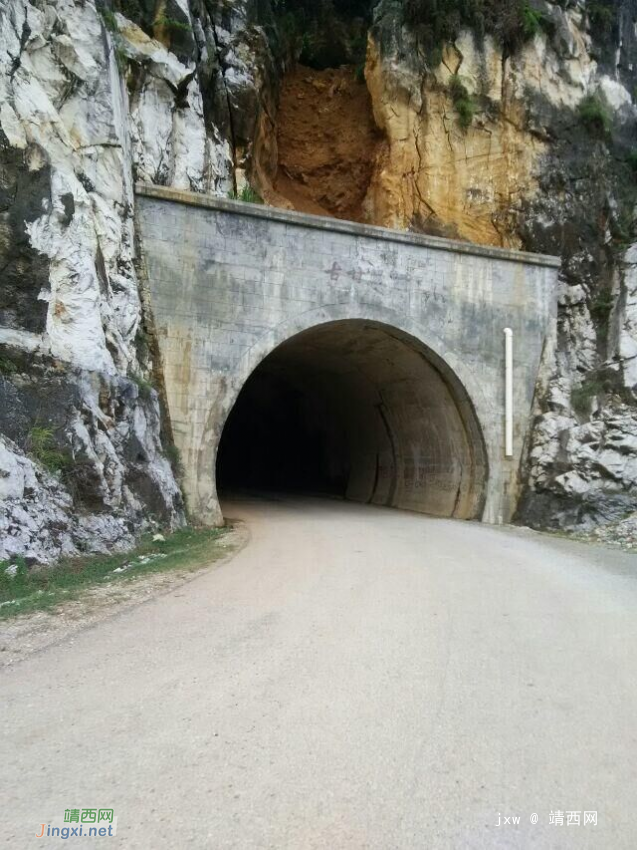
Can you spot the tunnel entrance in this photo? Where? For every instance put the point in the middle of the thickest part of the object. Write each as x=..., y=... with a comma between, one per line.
x=362, y=411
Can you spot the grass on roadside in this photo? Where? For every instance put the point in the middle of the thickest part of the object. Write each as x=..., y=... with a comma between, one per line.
x=43, y=588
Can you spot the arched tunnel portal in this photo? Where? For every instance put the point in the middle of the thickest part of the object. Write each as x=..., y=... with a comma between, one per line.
x=358, y=410
x=299, y=352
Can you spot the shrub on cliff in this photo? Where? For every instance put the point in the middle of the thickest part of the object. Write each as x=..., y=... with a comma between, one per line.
x=510, y=21
x=594, y=114
x=325, y=33
x=463, y=102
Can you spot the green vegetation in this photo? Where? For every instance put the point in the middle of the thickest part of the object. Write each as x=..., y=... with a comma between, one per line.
x=533, y=22
x=110, y=21
x=511, y=22
x=463, y=102
x=601, y=307
x=310, y=23
x=43, y=588
x=121, y=58
x=324, y=33
x=631, y=160
x=131, y=9
x=594, y=115
x=7, y=366
x=349, y=8
x=306, y=11
x=582, y=396
x=172, y=24
x=135, y=11
x=622, y=224
x=174, y=458
x=143, y=344
x=248, y=195
x=602, y=15
x=600, y=382
x=359, y=49
x=310, y=45
x=145, y=387
x=41, y=447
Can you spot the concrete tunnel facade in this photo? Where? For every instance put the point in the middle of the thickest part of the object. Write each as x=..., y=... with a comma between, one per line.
x=302, y=353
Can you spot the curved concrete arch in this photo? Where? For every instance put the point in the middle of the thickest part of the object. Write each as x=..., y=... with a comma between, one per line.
x=466, y=489
x=420, y=333
x=396, y=425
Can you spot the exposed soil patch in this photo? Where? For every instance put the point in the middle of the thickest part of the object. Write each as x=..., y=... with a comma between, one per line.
x=327, y=141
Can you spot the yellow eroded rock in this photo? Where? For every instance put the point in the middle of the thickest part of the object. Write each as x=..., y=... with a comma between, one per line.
x=433, y=175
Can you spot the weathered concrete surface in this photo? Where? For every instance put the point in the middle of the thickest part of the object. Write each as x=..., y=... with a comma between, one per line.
x=354, y=678
x=228, y=283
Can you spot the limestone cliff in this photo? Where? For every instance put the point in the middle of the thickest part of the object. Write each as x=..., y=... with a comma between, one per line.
x=519, y=137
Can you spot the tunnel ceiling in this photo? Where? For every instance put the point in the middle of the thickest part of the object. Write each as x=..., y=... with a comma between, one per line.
x=361, y=411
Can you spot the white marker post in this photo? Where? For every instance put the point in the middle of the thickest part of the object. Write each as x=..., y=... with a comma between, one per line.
x=508, y=391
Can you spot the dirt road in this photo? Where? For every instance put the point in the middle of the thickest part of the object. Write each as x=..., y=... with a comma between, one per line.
x=354, y=678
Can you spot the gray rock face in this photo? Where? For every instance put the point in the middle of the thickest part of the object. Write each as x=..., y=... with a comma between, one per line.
x=25, y=185
x=89, y=444
x=583, y=462
x=70, y=298
x=38, y=520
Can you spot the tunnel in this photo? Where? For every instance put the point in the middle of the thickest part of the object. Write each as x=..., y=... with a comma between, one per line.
x=360, y=411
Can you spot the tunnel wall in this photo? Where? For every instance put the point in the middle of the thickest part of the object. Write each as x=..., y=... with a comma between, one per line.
x=391, y=429
x=227, y=283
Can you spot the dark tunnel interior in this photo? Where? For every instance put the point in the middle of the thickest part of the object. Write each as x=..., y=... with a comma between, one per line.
x=270, y=442
x=359, y=411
